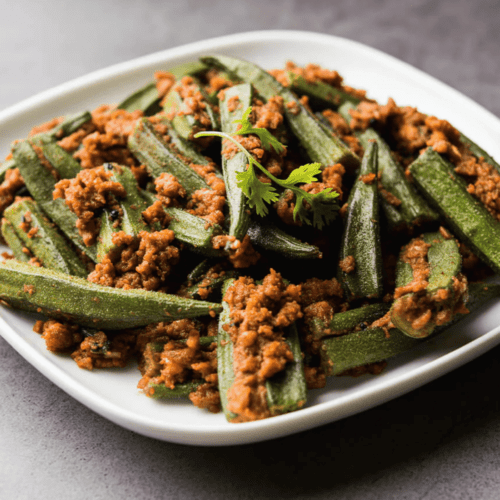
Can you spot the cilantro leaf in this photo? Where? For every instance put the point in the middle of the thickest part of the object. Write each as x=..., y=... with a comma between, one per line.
x=304, y=174
x=266, y=138
x=256, y=191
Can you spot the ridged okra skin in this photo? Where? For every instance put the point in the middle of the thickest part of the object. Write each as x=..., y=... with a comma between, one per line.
x=19, y=251
x=132, y=205
x=319, y=145
x=467, y=216
x=145, y=99
x=40, y=183
x=320, y=94
x=361, y=236
x=181, y=390
x=236, y=199
x=286, y=391
x=187, y=125
x=441, y=293
x=373, y=344
x=70, y=298
x=345, y=322
x=42, y=238
x=151, y=150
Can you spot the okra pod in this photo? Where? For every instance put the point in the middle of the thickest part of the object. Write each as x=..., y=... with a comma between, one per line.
x=208, y=284
x=360, y=267
x=40, y=182
x=267, y=236
x=236, y=199
x=151, y=150
x=467, y=216
x=194, y=231
x=287, y=390
x=373, y=344
x=480, y=152
x=42, y=239
x=61, y=296
x=319, y=145
x=67, y=167
x=15, y=244
x=346, y=322
x=187, y=125
x=320, y=94
x=417, y=314
x=145, y=99
x=132, y=206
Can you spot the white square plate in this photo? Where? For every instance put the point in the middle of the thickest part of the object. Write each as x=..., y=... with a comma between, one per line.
x=113, y=393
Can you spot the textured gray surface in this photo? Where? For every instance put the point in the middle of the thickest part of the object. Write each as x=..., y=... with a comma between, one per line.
x=441, y=441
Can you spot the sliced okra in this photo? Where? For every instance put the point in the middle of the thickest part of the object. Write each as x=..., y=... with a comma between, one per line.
x=360, y=267
x=468, y=218
x=418, y=313
x=19, y=251
x=70, y=298
x=42, y=238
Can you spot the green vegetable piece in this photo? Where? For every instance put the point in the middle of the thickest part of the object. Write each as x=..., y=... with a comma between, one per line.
x=225, y=371
x=181, y=390
x=210, y=283
x=46, y=243
x=345, y=322
x=187, y=125
x=413, y=210
x=467, y=216
x=61, y=296
x=445, y=262
x=69, y=125
x=151, y=150
x=67, y=167
x=267, y=236
x=373, y=345
x=287, y=390
x=194, y=231
x=191, y=68
x=236, y=199
x=40, y=182
x=145, y=99
x=361, y=236
x=16, y=245
x=480, y=152
x=319, y=145
x=320, y=94
x=132, y=206
x=6, y=165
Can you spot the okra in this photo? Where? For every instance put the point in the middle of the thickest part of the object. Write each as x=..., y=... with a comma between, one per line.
x=346, y=322
x=373, y=344
x=467, y=216
x=225, y=371
x=69, y=125
x=42, y=238
x=267, y=236
x=480, y=152
x=70, y=298
x=319, y=145
x=194, y=231
x=210, y=283
x=320, y=94
x=181, y=390
x=6, y=165
x=132, y=206
x=236, y=199
x=440, y=294
x=145, y=99
x=287, y=390
x=67, y=167
x=360, y=244
x=151, y=150
x=40, y=183
x=15, y=244
x=187, y=125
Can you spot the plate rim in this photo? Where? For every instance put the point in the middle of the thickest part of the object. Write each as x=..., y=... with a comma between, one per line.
x=307, y=418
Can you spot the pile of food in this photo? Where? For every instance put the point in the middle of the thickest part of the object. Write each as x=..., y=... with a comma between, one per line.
x=245, y=234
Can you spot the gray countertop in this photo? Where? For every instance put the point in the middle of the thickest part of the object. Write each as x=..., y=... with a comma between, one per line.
x=440, y=441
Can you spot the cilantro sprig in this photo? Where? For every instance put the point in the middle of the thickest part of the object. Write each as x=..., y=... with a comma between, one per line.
x=323, y=205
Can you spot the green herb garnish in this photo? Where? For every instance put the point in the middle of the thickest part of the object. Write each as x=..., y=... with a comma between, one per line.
x=323, y=205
